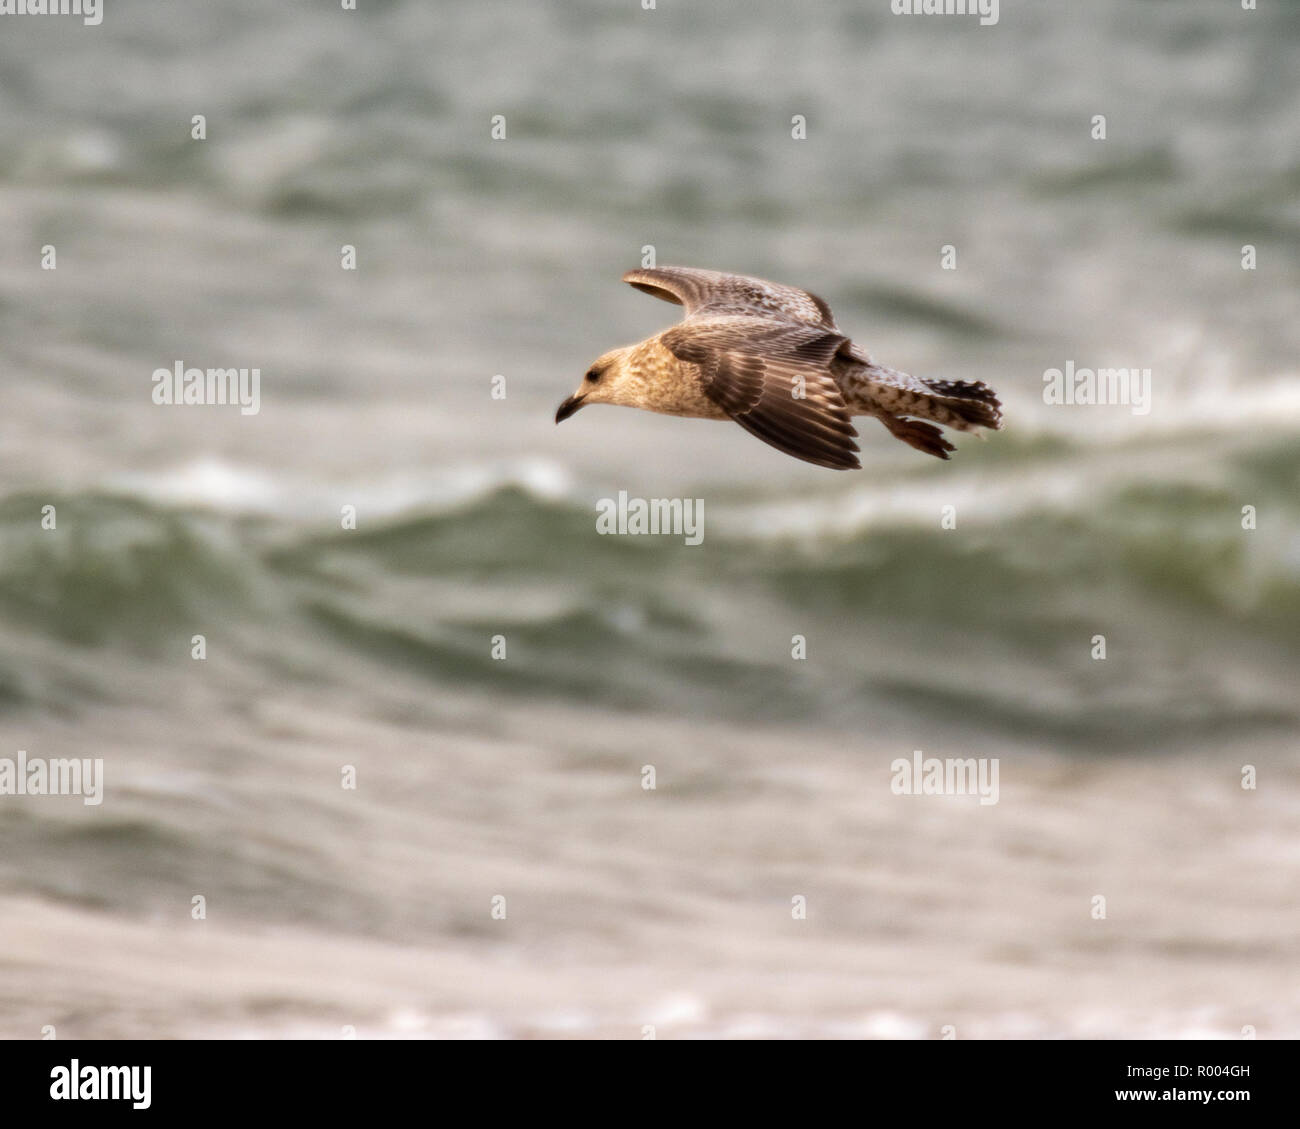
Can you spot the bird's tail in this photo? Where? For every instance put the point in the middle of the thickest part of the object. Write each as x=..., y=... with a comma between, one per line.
x=974, y=403
x=901, y=402
x=960, y=404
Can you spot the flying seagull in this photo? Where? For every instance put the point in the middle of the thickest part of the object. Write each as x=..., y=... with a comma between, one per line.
x=772, y=359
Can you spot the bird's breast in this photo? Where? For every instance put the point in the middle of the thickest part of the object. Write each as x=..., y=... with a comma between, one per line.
x=672, y=387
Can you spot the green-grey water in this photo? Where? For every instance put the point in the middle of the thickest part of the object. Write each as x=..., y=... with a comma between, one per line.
x=630, y=132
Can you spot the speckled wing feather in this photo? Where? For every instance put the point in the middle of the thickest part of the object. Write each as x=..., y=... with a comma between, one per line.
x=773, y=378
x=712, y=293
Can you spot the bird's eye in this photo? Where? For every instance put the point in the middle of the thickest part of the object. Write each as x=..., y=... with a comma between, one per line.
x=592, y=376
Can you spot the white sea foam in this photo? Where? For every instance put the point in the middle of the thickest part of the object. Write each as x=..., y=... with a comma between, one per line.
x=219, y=485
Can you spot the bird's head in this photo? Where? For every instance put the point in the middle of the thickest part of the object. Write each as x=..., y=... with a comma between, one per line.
x=608, y=380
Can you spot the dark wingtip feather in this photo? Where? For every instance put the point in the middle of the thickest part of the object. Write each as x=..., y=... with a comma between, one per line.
x=923, y=436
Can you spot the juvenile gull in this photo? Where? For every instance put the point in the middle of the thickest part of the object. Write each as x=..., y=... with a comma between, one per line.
x=771, y=358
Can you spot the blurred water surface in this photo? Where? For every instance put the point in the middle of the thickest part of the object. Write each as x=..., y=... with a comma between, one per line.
x=627, y=128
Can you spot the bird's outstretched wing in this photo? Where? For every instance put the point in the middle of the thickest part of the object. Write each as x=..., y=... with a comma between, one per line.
x=773, y=378
x=711, y=293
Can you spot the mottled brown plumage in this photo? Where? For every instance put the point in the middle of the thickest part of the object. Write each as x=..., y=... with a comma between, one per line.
x=771, y=358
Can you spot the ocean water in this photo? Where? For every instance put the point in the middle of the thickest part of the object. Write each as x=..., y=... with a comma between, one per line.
x=371, y=648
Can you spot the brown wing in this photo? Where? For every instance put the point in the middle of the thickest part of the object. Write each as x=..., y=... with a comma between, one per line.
x=773, y=378
x=714, y=293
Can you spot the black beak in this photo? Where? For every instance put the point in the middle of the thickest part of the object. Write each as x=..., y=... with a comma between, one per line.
x=565, y=410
